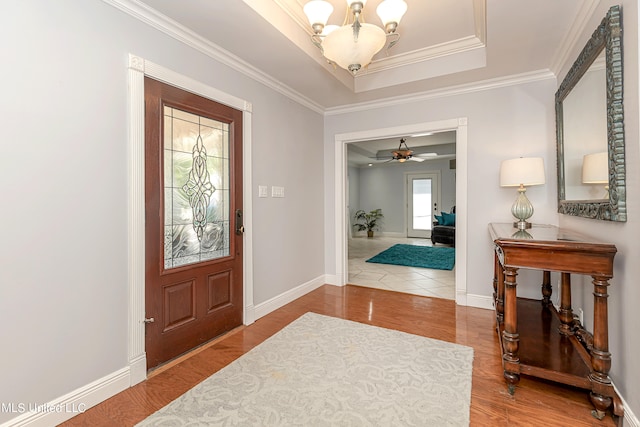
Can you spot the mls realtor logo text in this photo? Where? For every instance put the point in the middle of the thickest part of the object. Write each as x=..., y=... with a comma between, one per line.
x=22, y=408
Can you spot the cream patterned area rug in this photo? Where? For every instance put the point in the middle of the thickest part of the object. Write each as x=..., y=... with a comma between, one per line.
x=324, y=371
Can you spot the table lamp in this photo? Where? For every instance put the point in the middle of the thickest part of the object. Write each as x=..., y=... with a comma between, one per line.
x=521, y=172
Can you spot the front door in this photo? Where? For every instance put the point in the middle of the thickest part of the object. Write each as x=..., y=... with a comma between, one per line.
x=193, y=233
x=423, y=191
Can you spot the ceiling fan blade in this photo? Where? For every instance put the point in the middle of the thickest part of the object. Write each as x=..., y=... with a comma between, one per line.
x=426, y=155
x=416, y=159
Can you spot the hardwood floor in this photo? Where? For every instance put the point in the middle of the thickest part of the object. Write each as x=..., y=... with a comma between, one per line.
x=535, y=402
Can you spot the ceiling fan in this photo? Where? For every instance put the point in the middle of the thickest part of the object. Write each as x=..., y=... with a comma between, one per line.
x=403, y=153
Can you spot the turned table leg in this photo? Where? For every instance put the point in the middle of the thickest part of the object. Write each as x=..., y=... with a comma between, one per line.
x=498, y=289
x=546, y=288
x=566, y=312
x=510, y=336
x=601, y=387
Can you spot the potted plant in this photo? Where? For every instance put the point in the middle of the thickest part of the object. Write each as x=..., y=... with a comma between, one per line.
x=367, y=220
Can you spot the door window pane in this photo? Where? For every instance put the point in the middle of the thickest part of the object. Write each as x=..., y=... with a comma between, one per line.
x=422, y=204
x=196, y=188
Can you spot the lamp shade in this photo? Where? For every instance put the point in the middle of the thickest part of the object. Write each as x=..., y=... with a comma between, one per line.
x=391, y=11
x=595, y=168
x=318, y=11
x=522, y=171
x=341, y=47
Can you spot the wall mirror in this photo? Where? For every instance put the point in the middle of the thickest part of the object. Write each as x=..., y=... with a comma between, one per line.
x=590, y=128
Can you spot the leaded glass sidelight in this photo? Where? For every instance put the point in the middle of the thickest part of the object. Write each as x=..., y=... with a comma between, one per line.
x=196, y=188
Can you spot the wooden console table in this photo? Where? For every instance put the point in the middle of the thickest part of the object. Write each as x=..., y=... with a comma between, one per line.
x=537, y=339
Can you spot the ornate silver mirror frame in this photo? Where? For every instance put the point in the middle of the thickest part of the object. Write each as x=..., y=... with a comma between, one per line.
x=607, y=38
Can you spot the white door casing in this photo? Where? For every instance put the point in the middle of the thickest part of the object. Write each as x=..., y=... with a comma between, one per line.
x=138, y=68
x=341, y=217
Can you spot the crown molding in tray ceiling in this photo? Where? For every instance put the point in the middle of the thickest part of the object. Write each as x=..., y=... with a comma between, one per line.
x=462, y=54
x=149, y=16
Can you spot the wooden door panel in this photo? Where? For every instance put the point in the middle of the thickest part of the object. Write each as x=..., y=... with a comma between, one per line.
x=193, y=175
x=219, y=290
x=179, y=304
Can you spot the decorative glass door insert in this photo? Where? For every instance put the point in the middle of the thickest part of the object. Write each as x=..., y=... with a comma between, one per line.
x=196, y=188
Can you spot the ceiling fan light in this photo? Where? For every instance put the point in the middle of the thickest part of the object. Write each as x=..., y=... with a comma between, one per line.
x=391, y=12
x=318, y=12
x=341, y=47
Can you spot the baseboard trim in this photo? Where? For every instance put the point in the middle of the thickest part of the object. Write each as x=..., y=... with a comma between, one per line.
x=275, y=303
x=332, y=279
x=138, y=370
x=480, y=301
x=629, y=419
x=71, y=404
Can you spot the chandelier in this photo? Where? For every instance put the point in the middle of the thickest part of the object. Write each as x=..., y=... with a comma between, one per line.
x=353, y=45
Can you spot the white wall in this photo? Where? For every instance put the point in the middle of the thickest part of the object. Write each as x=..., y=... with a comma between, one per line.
x=63, y=160
x=624, y=316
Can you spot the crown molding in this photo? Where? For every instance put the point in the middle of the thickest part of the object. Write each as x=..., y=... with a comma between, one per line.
x=453, y=47
x=569, y=42
x=479, y=86
x=462, y=45
x=445, y=55
x=173, y=29
x=160, y=22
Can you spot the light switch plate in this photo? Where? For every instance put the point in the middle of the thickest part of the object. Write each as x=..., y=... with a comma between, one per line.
x=277, y=191
x=262, y=191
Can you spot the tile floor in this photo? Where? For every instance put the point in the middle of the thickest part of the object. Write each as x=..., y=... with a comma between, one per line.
x=411, y=280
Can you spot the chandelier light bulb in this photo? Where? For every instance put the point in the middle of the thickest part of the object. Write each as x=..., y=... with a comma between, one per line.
x=391, y=12
x=318, y=12
x=329, y=29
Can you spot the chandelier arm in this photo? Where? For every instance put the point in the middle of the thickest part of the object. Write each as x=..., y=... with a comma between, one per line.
x=393, y=39
x=316, y=39
x=347, y=14
x=356, y=29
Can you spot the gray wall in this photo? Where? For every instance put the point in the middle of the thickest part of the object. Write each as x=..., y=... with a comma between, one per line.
x=503, y=123
x=384, y=186
x=624, y=340
x=63, y=159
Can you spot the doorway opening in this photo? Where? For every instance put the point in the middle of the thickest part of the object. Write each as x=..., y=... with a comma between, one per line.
x=138, y=69
x=342, y=216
